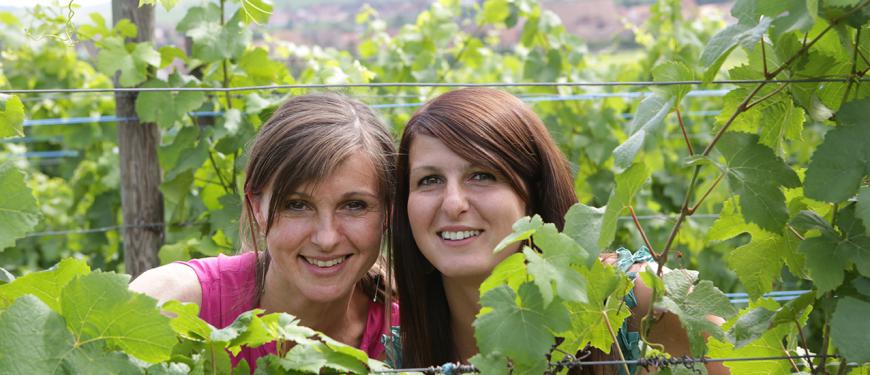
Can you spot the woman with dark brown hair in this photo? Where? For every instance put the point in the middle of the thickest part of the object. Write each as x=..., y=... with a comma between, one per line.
x=318, y=190
x=472, y=162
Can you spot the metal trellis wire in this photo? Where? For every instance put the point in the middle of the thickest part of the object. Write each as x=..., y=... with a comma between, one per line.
x=425, y=84
x=653, y=362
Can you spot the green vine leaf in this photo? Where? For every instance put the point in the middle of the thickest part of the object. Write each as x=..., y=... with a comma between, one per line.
x=187, y=322
x=166, y=108
x=552, y=267
x=759, y=263
x=583, y=224
x=12, y=118
x=692, y=301
x=721, y=44
x=19, y=212
x=756, y=174
x=316, y=357
x=167, y=4
x=132, y=59
x=840, y=163
x=520, y=329
x=35, y=340
x=492, y=363
x=99, y=307
x=606, y=288
x=672, y=71
x=849, y=326
x=824, y=264
x=646, y=121
x=768, y=344
x=511, y=272
x=628, y=183
x=257, y=11
x=46, y=285
x=213, y=42
x=523, y=229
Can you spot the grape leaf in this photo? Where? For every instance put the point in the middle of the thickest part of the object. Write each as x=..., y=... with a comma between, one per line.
x=19, y=212
x=167, y=4
x=752, y=324
x=247, y=329
x=628, y=183
x=5, y=276
x=756, y=174
x=492, y=363
x=211, y=41
x=863, y=207
x=583, y=224
x=133, y=63
x=165, y=108
x=523, y=229
x=187, y=322
x=12, y=118
x=842, y=160
x=673, y=71
x=553, y=268
x=522, y=330
x=317, y=356
x=511, y=272
x=759, y=262
x=606, y=287
x=98, y=306
x=692, y=304
x=36, y=340
x=286, y=327
x=849, y=327
x=650, y=114
x=721, y=44
x=824, y=264
x=257, y=11
x=46, y=285
x=768, y=344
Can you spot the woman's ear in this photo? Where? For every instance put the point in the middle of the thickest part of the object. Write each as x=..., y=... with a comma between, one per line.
x=255, y=201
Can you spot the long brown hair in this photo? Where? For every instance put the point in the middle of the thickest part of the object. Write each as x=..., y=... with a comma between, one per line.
x=496, y=130
x=305, y=140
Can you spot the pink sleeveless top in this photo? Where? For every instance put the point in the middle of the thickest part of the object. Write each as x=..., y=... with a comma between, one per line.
x=228, y=289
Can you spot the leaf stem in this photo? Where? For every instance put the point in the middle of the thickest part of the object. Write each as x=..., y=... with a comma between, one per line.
x=706, y=193
x=826, y=339
x=764, y=58
x=804, y=343
x=740, y=109
x=615, y=342
x=218, y=172
x=854, y=72
x=642, y=233
x=684, y=211
x=226, y=80
x=683, y=129
x=795, y=232
x=791, y=361
x=768, y=96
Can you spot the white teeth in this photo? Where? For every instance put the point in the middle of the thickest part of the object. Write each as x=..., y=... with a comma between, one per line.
x=461, y=235
x=325, y=263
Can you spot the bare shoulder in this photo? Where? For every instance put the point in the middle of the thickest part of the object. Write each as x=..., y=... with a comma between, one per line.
x=173, y=281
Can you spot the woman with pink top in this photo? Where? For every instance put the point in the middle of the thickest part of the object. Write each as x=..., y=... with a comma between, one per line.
x=318, y=190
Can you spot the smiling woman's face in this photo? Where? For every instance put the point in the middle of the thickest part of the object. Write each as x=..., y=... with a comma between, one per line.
x=459, y=211
x=326, y=235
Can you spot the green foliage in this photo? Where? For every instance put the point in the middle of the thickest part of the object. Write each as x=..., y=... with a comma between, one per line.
x=840, y=164
x=18, y=210
x=628, y=183
x=693, y=301
x=11, y=118
x=848, y=328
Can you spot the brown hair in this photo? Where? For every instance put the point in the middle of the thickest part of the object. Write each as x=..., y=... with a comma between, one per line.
x=305, y=140
x=498, y=131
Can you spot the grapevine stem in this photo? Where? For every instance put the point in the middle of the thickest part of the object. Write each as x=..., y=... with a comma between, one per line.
x=804, y=344
x=795, y=232
x=740, y=109
x=710, y=190
x=844, y=365
x=764, y=58
x=854, y=67
x=683, y=129
x=226, y=79
x=826, y=338
x=763, y=98
x=642, y=233
x=615, y=342
x=790, y=360
x=684, y=211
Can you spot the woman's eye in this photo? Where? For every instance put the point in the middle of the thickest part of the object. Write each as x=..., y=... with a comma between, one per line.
x=429, y=180
x=296, y=205
x=482, y=176
x=356, y=205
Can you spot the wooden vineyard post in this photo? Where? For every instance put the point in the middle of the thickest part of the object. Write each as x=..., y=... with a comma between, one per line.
x=141, y=200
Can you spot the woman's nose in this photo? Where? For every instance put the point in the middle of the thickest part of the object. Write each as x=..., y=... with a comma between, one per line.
x=326, y=234
x=455, y=200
